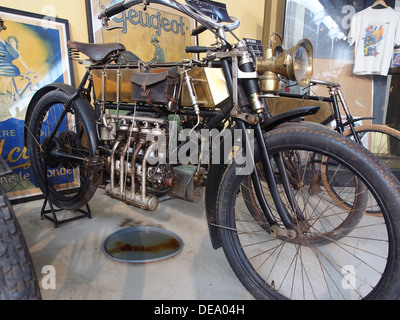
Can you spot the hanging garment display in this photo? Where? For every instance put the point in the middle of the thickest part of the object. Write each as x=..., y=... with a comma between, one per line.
x=374, y=32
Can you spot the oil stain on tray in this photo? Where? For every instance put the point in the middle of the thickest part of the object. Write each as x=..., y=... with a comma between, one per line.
x=142, y=244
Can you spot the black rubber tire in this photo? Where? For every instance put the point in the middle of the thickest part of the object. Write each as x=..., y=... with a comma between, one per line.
x=85, y=116
x=18, y=279
x=315, y=138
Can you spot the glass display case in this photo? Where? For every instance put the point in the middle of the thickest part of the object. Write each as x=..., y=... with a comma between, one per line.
x=327, y=23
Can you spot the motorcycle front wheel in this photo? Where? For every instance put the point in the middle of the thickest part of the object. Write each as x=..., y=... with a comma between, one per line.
x=68, y=183
x=337, y=253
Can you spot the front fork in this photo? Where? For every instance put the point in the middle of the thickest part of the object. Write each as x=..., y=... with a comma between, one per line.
x=272, y=184
x=252, y=88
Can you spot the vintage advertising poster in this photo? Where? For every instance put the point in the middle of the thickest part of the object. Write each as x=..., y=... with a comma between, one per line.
x=157, y=33
x=33, y=53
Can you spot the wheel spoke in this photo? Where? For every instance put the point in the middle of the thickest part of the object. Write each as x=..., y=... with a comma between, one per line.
x=66, y=180
x=340, y=252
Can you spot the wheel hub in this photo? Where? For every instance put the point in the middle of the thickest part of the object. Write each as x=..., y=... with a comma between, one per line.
x=68, y=142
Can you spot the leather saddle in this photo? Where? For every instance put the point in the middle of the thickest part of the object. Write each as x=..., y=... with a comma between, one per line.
x=98, y=53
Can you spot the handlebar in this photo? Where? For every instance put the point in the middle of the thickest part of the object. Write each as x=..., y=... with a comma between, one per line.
x=199, y=49
x=114, y=10
x=196, y=31
x=324, y=83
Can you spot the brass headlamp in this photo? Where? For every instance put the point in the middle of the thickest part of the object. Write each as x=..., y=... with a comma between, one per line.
x=294, y=64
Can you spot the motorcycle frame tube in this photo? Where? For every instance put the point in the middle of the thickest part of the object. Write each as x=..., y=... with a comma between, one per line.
x=336, y=114
x=66, y=108
x=66, y=88
x=334, y=92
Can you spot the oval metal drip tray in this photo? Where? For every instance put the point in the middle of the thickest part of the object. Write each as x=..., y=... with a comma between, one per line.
x=142, y=245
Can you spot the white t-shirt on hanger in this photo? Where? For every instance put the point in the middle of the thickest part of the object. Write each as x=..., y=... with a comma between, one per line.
x=375, y=32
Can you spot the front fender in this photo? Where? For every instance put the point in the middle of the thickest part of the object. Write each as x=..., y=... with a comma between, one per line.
x=68, y=89
x=287, y=116
x=214, y=178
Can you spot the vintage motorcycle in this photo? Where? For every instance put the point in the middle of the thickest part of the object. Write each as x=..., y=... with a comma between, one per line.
x=201, y=127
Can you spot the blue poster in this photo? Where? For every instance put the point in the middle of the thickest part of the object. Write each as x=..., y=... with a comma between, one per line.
x=32, y=54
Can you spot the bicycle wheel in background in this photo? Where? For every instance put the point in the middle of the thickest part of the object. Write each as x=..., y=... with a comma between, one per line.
x=382, y=141
x=337, y=253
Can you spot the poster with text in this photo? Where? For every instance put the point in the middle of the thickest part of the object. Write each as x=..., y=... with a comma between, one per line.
x=157, y=33
x=33, y=53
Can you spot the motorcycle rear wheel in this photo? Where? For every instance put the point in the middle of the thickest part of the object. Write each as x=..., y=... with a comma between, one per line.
x=333, y=256
x=68, y=184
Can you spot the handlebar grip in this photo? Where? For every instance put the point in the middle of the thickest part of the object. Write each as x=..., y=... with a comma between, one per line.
x=196, y=31
x=113, y=10
x=198, y=49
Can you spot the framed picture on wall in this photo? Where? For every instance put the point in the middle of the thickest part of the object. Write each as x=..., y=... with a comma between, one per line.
x=33, y=53
x=155, y=33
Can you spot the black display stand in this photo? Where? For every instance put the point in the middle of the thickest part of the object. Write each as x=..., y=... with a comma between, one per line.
x=44, y=214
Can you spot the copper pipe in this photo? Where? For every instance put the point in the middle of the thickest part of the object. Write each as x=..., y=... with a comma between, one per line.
x=139, y=147
x=122, y=167
x=152, y=148
x=112, y=160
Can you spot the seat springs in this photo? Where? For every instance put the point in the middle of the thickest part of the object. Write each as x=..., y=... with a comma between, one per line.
x=74, y=54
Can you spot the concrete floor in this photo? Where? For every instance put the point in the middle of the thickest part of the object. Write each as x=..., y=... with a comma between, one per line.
x=83, y=272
